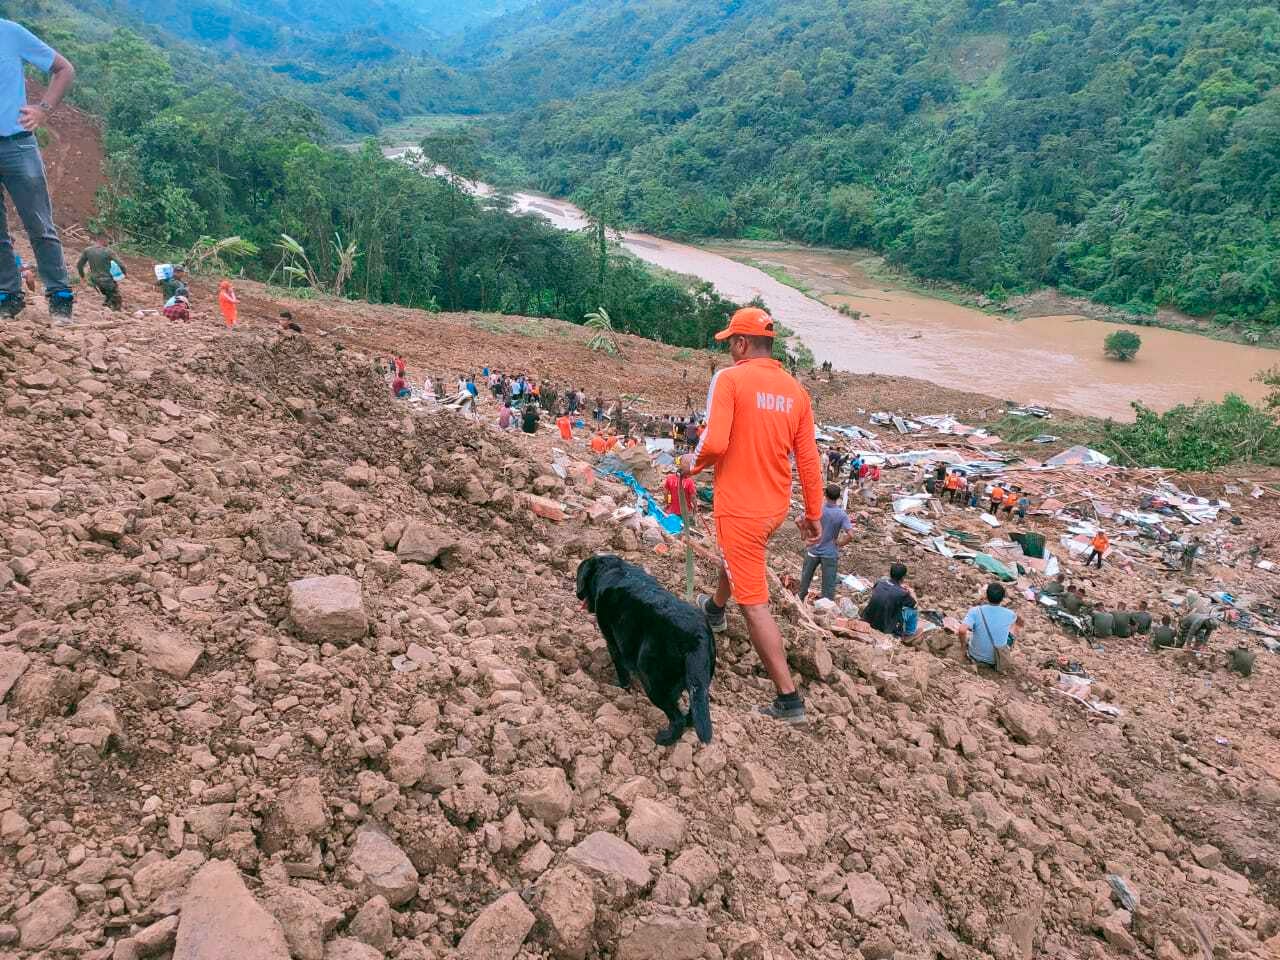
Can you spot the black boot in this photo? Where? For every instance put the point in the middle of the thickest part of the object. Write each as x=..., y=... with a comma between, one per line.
x=11, y=304
x=61, y=302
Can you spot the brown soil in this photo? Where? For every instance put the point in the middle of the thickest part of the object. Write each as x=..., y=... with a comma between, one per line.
x=165, y=486
x=73, y=160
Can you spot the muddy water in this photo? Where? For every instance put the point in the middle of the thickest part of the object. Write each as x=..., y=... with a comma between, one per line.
x=1052, y=360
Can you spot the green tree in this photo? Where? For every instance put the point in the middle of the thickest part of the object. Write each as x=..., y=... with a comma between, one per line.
x=1122, y=345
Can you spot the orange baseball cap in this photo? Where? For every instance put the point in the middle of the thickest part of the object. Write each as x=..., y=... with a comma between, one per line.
x=748, y=322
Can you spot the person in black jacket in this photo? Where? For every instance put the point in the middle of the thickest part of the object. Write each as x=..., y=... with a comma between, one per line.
x=892, y=607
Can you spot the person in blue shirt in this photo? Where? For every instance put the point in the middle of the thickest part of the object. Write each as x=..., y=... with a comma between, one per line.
x=987, y=627
x=22, y=168
x=837, y=530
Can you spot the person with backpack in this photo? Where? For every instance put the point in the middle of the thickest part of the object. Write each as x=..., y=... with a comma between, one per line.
x=987, y=628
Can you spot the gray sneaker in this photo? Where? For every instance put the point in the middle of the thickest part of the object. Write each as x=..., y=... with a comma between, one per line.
x=718, y=624
x=786, y=712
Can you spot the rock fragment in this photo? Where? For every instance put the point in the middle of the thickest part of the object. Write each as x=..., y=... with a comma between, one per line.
x=378, y=867
x=328, y=609
x=655, y=826
x=45, y=917
x=664, y=938
x=605, y=855
x=221, y=919
x=566, y=906
x=499, y=930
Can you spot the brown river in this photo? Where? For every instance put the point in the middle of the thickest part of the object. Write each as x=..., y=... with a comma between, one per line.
x=1054, y=360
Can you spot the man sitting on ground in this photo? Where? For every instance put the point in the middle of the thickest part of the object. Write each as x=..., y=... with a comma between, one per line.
x=529, y=422
x=1104, y=623
x=987, y=627
x=1141, y=618
x=892, y=607
x=1055, y=587
x=1122, y=624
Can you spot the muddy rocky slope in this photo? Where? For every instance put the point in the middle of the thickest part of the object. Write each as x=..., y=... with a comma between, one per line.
x=287, y=672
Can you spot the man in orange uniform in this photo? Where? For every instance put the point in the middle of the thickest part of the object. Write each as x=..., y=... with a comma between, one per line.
x=997, y=499
x=758, y=416
x=1099, y=544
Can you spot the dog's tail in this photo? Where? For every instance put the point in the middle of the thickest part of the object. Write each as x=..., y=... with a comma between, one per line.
x=697, y=677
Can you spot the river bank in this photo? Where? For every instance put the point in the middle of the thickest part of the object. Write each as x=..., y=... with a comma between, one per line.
x=1045, y=302
x=1055, y=360
x=1045, y=352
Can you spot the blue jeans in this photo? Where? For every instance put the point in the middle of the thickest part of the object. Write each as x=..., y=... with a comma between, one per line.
x=828, y=575
x=910, y=621
x=22, y=175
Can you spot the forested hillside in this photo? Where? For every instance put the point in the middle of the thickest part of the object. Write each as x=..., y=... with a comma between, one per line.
x=190, y=156
x=1126, y=149
x=358, y=66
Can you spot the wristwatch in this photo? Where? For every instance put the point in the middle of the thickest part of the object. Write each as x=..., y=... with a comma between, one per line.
x=45, y=106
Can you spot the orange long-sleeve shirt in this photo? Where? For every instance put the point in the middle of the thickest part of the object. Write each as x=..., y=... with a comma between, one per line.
x=757, y=417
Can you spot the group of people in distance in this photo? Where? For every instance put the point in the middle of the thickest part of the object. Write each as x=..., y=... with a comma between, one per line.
x=852, y=469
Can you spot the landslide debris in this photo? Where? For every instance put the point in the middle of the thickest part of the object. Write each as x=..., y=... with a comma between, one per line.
x=288, y=667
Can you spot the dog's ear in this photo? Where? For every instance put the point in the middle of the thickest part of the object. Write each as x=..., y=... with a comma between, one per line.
x=587, y=576
x=699, y=665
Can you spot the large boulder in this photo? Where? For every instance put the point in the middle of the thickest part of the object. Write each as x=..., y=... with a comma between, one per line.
x=655, y=826
x=13, y=664
x=346, y=948
x=221, y=919
x=422, y=543
x=166, y=878
x=664, y=938
x=407, y=760
x=299, y=811
x=696, y=868
x=306, y=920
x=378, y=867
x=328, y=608
x=1028, y=723
x=604, y=855
x=46, y=917
x=372, y=924
x=566, y=906
x=545, y=794
x=168, y=652
x=499, y=930
x=867, y=895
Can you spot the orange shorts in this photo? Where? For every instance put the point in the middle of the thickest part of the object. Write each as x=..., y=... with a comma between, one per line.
x=742, y=544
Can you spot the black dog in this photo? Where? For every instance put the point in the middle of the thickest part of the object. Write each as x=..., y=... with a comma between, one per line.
x=655, y=635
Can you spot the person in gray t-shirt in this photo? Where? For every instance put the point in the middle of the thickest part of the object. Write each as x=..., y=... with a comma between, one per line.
x=837, y=530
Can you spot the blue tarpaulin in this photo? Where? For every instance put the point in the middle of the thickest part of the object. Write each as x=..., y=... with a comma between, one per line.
x=669, y=522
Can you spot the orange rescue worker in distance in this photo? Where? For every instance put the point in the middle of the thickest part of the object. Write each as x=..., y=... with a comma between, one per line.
x=758, y=417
